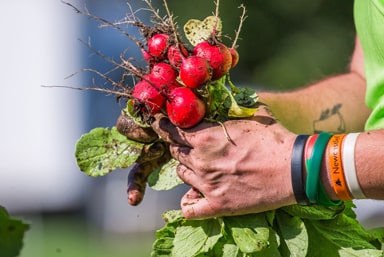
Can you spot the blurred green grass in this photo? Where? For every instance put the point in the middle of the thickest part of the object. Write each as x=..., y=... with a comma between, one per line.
x=73, y=236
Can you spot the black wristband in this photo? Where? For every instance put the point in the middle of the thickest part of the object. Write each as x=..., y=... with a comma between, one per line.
x=297, y=170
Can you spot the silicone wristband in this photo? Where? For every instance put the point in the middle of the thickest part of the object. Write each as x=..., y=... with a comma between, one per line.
x=297, y=170
x=336, y=170
x=307, y=155
x=349, y=166
x=313, y=167
x=323, y=199
x=308, y=150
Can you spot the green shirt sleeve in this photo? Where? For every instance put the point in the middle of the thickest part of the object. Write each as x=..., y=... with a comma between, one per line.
x=369, y=19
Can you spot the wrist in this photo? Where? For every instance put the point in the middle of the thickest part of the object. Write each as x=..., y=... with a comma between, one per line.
x=314, y=156
x=326, y=174
x=317, y=166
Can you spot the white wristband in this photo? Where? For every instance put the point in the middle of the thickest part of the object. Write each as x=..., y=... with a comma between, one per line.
x=348, y=160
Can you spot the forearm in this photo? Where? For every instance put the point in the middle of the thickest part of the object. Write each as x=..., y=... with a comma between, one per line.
x=369, y=165
x=335, y=104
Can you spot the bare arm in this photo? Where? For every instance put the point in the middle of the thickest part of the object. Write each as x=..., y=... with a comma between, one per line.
x=335, y=104
x=252, y=173
x=369, y=165
x=301, y=111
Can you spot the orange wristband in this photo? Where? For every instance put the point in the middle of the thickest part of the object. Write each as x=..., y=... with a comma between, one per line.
x=339, y=183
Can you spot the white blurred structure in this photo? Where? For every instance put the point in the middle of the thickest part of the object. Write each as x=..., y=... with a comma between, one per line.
x=39, y=126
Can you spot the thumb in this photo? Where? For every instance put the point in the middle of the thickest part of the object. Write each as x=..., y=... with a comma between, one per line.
x=167, y=131
x=264, y=115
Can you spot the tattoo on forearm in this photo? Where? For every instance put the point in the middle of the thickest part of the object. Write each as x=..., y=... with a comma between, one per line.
x=330, y=120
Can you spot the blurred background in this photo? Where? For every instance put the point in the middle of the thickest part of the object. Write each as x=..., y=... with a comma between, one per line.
x=284, y=44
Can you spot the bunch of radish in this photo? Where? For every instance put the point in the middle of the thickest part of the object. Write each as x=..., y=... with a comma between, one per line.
x=186, y=81
x=177, y=75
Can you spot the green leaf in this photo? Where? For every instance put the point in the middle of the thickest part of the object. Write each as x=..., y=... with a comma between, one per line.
x=217, y=99
x=225, y=247
x=196, y=237
x=244, y=96
x=377, y=233
x=350, y=252
x=342, y=234
x=270, y=216
x=349, y=205
x=11, y=234
x=293, y=233
x=237, y=111
x=166, y=177
x=197, y=31
x=314, y=212
x=230, y=250
x=242, y=101
x=172, y=216
x=224, y=103
x=250, y=232
x=255, y=235
x=162, y=247
x=102, y=150
x=273, y=247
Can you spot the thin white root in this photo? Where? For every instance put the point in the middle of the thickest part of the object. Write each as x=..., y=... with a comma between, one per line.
x=226, y=133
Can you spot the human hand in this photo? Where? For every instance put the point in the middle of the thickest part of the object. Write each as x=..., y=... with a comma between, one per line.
x=152, y=158
x=238, y=168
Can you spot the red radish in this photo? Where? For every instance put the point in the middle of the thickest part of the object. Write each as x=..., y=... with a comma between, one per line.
x=170, y=87
x=163, y=72
x=147, y=94
x=176, y=54
x=165, y=86
x=164, y=77
x=157, y=45
x=235, y=56
x=184, y=108
x=218, y=56
x=147, y=57
x=195, y=71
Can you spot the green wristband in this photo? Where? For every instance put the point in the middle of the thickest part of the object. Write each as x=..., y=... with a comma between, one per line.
x=313, y=167
x=323, y=199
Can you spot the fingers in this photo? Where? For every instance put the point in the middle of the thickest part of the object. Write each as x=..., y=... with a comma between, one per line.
x=174, y=135
x=137, y=183
x=138, y=175
x=187, y=137
x=167, y=131
x=152, y=152
x=193, y=203
x=195, y=206
x=186, y=174
x=129, y=128
x=263, y=109
x=180, y=147
x=264, y=115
